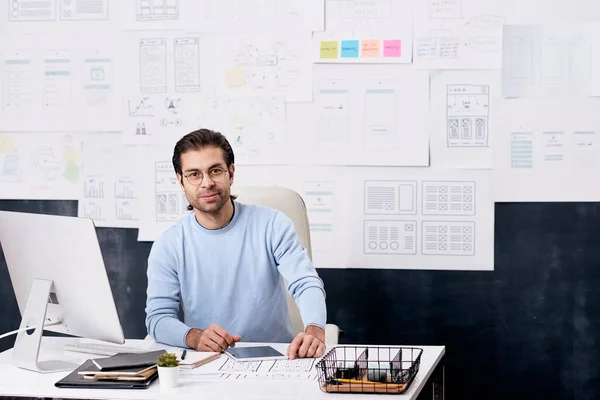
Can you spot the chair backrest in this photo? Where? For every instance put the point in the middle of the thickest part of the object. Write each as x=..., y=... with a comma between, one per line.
x=291, y=204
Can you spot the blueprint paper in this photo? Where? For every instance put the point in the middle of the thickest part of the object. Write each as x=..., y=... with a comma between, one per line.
x=373, y=31
x=164, y=71
x=363, y=115
x=110, y=192
x=220, y=16
x=247, y=65
x=40, y=166
x=557, y=59
x=460, y=34
x=543, y=153
x=68, y=83
x=464, y=110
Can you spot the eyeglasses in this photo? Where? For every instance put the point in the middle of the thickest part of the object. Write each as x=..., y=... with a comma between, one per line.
x=216, y=174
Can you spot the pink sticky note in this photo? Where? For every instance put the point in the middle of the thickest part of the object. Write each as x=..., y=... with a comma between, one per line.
x=392, y=48
x=369, y=48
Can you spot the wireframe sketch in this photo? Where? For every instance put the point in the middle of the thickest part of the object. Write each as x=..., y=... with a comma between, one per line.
x=57, y=81
x=292, y=366
x=31, y=10
x=390, y=237
x=81, y=10
x=448, y=198
x=319, y=199
x=467, y=115
x=332, y=114
x=380, y=114
x=17, y=87
x=93, y=187
x=172, y=105
x=46, y=164
x=170, y=200
x=187, y=64
x=230, y=366
x=141, y=108
x=153, y=65
x=444, y=9
x=140, y=129
x=157, y=10
x=448, y=238
x=391, y=197
x=98, y=83
x=521, y=151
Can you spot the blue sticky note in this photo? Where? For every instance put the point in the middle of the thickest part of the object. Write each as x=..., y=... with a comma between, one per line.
x=349, y=48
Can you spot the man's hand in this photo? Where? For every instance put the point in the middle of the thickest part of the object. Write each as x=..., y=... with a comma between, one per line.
x=308, y=344
x=213, y=338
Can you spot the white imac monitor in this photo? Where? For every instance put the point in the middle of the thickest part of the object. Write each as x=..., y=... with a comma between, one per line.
x=59, y=278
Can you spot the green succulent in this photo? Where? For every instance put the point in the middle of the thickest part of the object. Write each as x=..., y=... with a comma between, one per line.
x=167, y=360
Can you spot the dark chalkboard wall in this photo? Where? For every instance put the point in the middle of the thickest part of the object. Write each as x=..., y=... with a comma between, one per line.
x=528, y=330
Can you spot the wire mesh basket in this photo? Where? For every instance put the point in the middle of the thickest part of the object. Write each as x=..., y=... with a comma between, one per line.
x=356, y=369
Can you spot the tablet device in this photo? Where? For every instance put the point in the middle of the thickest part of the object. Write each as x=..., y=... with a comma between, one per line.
x=254, y=353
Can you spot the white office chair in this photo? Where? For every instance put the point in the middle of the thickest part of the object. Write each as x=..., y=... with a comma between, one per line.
x=292, y=205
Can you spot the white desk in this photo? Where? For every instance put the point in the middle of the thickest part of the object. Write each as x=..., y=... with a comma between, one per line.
x=18, y=382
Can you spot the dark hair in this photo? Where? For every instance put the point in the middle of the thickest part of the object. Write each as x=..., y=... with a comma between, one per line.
x=199, y=139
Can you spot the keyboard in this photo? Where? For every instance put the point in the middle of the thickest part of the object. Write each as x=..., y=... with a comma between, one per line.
x=102, y=349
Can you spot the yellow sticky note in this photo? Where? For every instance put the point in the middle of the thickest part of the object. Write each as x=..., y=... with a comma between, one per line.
x=235, y=77
x=7, y=144
x=329, y=49
x=71, y=155
x=370, y=48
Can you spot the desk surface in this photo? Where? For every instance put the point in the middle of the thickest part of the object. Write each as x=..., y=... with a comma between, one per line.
x=18, y=382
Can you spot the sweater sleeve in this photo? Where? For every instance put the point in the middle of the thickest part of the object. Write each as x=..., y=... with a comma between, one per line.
x=294, y=264
x=162, y=304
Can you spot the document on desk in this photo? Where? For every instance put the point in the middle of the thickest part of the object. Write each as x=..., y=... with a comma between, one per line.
x=226, y=368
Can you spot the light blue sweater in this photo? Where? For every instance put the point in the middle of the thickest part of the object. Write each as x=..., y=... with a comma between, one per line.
x=231, y=277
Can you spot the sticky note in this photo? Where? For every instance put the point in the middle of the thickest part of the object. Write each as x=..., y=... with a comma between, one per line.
x=329, y=49
x=392, y=48
x=350, y=48
x=7, y=144
x=235, y=77
x=370, y=48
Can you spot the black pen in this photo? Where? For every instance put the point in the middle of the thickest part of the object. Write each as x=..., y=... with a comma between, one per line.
x=183, y=354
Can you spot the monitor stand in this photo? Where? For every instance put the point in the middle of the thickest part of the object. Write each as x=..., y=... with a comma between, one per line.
x=27, y=345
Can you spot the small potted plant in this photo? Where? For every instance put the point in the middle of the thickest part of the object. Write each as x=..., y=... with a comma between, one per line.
x=168, y=370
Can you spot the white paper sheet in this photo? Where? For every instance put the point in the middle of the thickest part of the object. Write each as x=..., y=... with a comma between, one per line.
x=110, y=191
x=68, y=83
x=557, y=59
x=363, y=115
x=40, y=166
x=255, y=127
x=462, y=118
x=547, y=152
x=258, y=15
x=460, y=34
x=373, y=31
x=164, y=72
x=248, y=65
x=57, y=16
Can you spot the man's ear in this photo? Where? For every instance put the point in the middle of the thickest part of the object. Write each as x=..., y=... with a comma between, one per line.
x=231, y=173
x=180, y=180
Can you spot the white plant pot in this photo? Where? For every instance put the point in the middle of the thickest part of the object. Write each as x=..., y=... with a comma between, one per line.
x=168, y=377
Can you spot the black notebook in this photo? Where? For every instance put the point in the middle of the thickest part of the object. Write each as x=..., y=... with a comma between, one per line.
x=75, y=380
x=128, y=360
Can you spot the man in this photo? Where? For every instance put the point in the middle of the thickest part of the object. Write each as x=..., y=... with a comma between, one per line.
x=224, y=263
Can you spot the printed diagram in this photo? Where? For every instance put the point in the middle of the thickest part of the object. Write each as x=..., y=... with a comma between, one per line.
x=171, y=203
x=267, y=369
x=94, y=187
x=93, y=209
x=157, y=10
x=380, y=115
x=319, y=200
x=390, y=237
x=31, y=10
x=450, y=34
x=521, y=151
x=98, y=83
x=467, y=115
x=448, y=238
x=70, y=10
x=448, y=198
x=391, y=197
x=153, y=65
x=141, y=108
x=231, y=366
x=301, y=365
x=187, y=64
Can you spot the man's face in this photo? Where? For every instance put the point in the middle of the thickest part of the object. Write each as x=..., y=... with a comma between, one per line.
x=211, y=181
